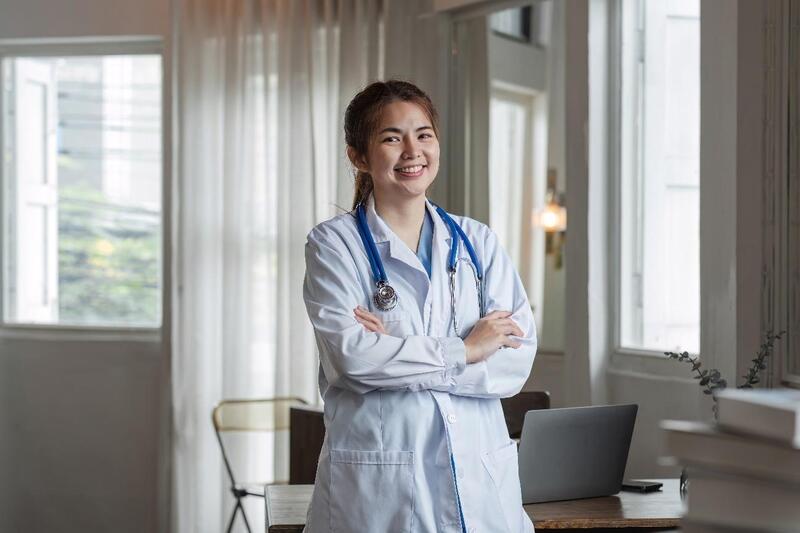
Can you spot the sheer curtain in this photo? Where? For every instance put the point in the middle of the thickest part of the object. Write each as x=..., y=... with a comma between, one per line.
x=262, y=87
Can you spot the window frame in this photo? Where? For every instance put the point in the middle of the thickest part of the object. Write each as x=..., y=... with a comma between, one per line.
x=96, y=46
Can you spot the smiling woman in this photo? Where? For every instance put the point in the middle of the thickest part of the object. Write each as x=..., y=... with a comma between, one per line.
x=411, y=307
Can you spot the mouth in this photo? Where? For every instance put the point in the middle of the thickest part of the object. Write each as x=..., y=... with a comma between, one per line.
x=412, y=171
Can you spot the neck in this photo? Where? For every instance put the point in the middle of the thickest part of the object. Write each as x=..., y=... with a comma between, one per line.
x=403, y=216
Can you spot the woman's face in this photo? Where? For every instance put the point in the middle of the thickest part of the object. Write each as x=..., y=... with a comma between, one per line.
x=403, y=154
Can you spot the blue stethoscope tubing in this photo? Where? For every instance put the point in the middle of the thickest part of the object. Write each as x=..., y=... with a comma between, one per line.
x=379, y=274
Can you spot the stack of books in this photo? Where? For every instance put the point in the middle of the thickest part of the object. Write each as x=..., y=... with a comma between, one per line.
x=744, y=470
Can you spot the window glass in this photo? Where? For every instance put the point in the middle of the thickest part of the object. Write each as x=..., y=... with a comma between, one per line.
x=514, y=23
x=510, y=165
x=82, y=182
x=660, y=173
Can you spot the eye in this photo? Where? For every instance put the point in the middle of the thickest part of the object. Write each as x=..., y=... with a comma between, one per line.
x=392, y=138
x=426, y=136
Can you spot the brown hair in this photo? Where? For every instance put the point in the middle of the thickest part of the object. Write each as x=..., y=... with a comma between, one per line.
x=362, y=115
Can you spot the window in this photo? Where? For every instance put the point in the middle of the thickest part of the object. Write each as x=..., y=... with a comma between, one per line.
x=514, y=23
x=81, y=176
x=510, y=164
x=527, y=24
x=659, y=265
x=517, y=179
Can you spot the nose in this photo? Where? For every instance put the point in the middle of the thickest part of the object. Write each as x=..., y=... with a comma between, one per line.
x=410, y=149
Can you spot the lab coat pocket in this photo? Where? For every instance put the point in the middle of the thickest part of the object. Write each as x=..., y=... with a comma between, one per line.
x=371, y=491
x=397, y=323
x=503, y=468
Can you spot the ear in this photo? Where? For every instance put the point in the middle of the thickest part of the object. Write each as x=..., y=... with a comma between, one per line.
x=358, y=161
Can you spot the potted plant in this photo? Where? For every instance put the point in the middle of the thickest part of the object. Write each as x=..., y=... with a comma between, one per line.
x=711, y=380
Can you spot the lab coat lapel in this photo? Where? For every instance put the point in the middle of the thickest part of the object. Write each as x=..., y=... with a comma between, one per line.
x=389, y=244
x=439, y=276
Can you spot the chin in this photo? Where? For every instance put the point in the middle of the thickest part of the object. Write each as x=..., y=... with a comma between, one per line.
x=416, y=190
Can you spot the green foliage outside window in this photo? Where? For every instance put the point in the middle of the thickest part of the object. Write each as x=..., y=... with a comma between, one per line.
x=109, y=260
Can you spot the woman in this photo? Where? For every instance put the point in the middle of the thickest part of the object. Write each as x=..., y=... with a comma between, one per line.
x=415, y=436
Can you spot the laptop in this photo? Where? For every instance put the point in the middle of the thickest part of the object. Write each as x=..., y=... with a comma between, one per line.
x=577, y=452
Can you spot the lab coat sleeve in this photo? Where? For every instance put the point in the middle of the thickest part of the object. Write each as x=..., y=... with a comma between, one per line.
x=352, y=357
x=505, y=372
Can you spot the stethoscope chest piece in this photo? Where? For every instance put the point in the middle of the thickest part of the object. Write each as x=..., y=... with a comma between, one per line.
x=385, y=297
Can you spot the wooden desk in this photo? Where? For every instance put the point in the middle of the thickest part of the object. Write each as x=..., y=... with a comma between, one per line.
x=656, y=511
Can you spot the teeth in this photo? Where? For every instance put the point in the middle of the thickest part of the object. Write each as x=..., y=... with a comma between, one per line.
x=410, y=170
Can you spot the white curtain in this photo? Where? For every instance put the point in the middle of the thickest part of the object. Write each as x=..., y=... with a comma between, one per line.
x=262, y=87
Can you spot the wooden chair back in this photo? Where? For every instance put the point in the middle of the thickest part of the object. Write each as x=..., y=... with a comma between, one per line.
x=515, y=407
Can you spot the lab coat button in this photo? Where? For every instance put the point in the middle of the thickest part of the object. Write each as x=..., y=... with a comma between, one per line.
x=451, y=418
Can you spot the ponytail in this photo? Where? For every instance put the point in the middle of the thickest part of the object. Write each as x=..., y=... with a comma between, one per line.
x=363, y=188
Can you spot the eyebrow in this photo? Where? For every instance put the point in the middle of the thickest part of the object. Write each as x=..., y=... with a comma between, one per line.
x=398, y=130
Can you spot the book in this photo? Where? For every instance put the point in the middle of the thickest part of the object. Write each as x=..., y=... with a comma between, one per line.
x=740, y=502
x=705, y=445
x=771, y=413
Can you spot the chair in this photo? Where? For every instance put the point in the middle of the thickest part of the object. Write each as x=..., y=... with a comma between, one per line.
x=515, y=407
x=263, y=415
x=305, y=442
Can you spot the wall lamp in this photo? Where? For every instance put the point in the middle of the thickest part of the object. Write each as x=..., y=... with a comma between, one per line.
x=552, y=218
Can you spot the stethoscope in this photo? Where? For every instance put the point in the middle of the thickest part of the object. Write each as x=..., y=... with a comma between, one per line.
x=385, y=296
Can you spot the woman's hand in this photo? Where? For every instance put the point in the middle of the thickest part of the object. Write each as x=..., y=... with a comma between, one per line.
x=368, y=320
x=491, y=333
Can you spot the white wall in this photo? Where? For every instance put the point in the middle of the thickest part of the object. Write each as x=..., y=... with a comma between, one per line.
x=80, y=426
x=517, y=63
x=576, y=118
x=78, y=18
x=718, y=184
x=751, y=114
x=83, y=421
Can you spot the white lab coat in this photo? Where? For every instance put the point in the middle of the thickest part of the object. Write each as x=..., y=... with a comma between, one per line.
x=397, y=405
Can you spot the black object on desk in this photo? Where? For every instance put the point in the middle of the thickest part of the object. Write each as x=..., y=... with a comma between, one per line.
x=636, y=485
